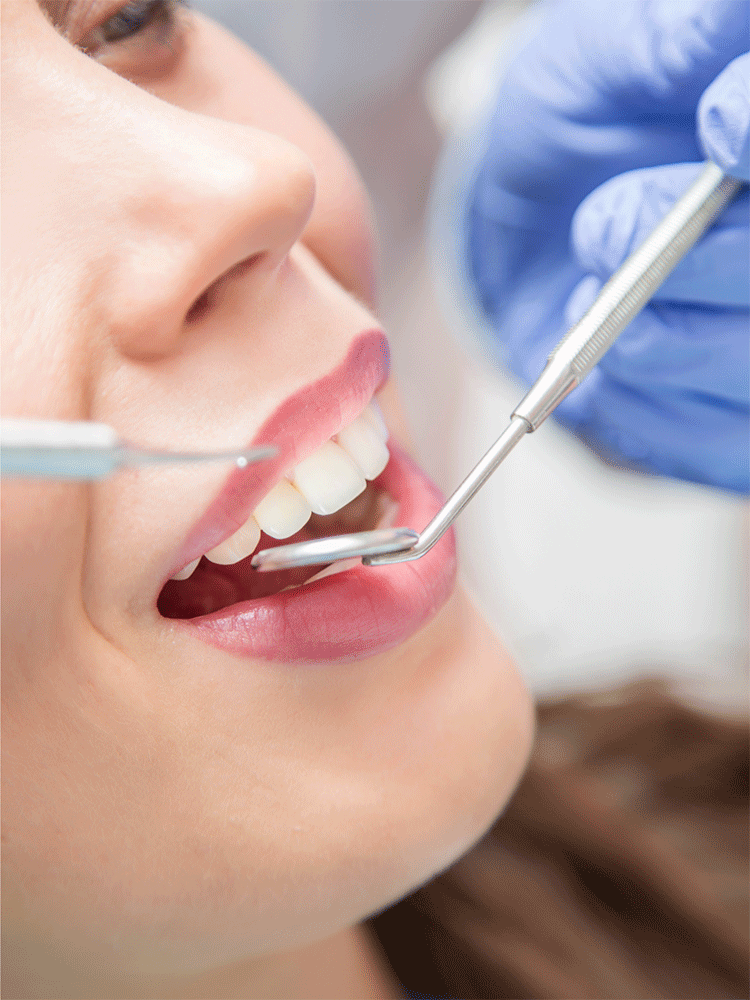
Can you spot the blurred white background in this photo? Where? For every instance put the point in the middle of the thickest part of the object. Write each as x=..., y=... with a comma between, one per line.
x=590, y=575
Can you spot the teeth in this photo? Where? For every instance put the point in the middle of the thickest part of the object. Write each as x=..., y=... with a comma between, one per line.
x=283, y=511
x=364, y=444
x=187, y=571
x=237, y=546
x=374, y=416
x=328, y=479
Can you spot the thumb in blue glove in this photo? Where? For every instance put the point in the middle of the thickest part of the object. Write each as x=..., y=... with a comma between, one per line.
x=724, y=119
x=671, y=395
x=680, y=373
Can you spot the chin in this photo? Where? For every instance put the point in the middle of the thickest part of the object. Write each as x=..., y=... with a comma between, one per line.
x=422, y=751
x=452, y=751
x=436, y=758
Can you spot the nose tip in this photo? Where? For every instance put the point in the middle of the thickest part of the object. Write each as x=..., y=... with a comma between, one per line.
x=223, y=205
x=262, y=198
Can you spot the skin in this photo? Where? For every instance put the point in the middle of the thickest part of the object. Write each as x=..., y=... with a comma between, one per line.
x=179, y=822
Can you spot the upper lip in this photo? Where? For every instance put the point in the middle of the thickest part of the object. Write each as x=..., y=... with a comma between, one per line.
x=297, y=427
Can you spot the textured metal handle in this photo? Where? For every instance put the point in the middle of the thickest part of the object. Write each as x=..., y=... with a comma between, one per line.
x=633, y=284
x=627, y=292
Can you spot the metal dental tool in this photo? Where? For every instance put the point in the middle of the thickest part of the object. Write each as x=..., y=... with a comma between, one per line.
x=619, y=301
x=81, y=449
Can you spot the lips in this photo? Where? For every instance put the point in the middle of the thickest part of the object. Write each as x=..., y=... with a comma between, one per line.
x=355, y=614
x=363, y=610
x=298, y=427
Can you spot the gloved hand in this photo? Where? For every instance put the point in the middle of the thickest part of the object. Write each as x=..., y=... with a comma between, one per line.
x=601, y=89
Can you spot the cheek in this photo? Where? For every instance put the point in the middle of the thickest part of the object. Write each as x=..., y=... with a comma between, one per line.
x=341, y=229
x=43, y=540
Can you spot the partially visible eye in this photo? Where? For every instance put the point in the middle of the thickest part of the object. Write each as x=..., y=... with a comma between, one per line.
x=145, y=32
x=132, y=18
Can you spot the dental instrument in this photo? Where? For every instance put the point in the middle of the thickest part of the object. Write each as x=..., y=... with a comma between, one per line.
x=619, y=301
x=85, y=450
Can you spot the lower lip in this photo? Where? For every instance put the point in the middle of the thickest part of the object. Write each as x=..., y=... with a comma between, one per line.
x=352, y=615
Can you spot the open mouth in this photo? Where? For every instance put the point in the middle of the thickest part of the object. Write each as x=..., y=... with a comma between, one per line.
x=213, y=586
x=359, y=479
x=340, y=614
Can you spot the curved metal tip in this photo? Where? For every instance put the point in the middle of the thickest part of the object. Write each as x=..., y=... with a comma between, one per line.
x=320, y=551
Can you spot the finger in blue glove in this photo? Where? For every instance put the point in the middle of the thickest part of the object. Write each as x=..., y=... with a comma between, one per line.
x=600, y=91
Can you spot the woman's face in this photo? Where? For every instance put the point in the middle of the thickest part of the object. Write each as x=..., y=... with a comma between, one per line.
x=199, y=771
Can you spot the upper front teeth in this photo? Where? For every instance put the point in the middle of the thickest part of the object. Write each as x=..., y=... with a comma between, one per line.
x=281, y=512
x=365, y=444
x=325, y=482
x=328, y=479
x=237, y=546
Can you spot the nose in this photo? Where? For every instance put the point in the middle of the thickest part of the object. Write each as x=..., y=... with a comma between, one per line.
x=203, y=203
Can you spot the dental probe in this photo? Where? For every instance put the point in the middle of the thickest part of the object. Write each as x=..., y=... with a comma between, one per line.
x=617, y=304
x=82, y=449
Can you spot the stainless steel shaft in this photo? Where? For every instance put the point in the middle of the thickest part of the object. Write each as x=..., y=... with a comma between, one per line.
x=627, y=292
x=620, y=300
x=458, y=500
x=86, y=450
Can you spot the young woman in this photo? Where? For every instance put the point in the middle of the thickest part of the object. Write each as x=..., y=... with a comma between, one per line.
x=210, y=779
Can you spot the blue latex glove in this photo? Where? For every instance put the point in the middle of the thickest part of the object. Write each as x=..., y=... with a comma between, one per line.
x=601, y=89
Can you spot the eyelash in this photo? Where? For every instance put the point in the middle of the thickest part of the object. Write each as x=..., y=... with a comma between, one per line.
x=135, y=17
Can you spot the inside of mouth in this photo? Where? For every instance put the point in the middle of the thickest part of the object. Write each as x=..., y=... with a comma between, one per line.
x=212, y=587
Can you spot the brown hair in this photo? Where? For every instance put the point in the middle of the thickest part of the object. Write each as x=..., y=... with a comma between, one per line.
x=619, y=869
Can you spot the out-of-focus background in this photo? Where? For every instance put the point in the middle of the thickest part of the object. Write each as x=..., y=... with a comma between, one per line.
x=590, y=575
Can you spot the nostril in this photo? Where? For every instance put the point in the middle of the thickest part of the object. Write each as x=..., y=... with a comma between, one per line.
x=199, y=308
x=204, y=301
